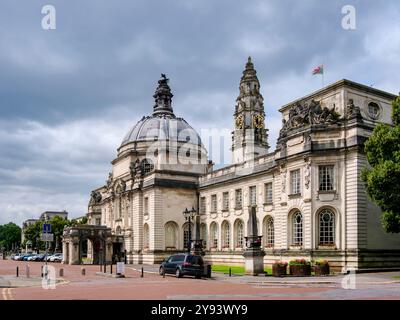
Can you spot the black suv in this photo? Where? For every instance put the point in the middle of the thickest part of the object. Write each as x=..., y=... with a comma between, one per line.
x=183, y=264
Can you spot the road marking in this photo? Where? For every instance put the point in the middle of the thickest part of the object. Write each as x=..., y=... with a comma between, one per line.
x=7, y=295
x=4, y=293
x=10, y=297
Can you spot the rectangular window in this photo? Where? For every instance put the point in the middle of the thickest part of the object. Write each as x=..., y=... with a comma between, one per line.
x=253, y=196
x=214, y=203
x=146, y=206
x=295, y=181
x=202, y=205
x=268, y=193
x=326, y=178
x=225, y=200
x=238, y=199
x=98, y=221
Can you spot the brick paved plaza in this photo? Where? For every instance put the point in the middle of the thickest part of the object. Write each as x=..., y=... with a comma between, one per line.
x=75, y=286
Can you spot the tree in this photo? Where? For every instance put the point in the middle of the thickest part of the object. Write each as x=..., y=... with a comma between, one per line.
x=10, y=234
x=32, y=233
x=382, y=179
x=57, y=227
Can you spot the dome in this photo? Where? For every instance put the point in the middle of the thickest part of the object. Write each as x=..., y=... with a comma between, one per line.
x=162, y=124
x=162, y=127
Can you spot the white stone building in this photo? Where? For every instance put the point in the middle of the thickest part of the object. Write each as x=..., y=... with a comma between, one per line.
x=310, y=199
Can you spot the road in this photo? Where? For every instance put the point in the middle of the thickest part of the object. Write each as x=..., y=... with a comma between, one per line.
x=75, y=286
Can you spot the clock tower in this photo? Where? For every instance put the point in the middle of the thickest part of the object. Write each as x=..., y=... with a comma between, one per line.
x=249, y=139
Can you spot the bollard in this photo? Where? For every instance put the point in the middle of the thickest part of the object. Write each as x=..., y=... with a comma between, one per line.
x=83, y=271
x=17, y=272
x=142, y=274
x=111, y=267
x=41, y=272
x=105, y=267
x=27, y=269
x=61, y=272
x=163, y=275
x=230, y=272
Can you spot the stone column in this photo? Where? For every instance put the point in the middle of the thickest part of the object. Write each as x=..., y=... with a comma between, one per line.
x=254, y=254
x=74, y=252
x=64, y=252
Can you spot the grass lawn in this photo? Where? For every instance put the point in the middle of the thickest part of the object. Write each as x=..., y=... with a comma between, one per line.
x=234, y=269
x=396, y=277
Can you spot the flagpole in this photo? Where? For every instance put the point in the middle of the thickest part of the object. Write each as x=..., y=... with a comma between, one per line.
x=323, y=74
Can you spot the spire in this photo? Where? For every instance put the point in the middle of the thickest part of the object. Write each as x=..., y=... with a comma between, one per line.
x=250, y=135
x=163, y=98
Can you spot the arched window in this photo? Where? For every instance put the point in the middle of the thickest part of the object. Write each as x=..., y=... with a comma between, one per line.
x=297, y=229
x=226, y=234
x=214, y=235
x=146, y=236
x=170, y=235
x=239, y=234
x=269, y=232
x=203, y=234
x=326, y=228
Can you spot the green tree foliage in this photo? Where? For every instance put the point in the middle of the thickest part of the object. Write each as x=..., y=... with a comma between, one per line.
x=10, y=234
x=32, y=233
x=57, y=227
x=382, y=179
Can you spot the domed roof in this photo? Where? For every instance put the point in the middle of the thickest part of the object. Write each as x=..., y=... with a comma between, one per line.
x=162, y=127
x=162, y=124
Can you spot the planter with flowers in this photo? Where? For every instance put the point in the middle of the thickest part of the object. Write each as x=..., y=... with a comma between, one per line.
x=279, y=269
x=321, y=268
x=300, y=268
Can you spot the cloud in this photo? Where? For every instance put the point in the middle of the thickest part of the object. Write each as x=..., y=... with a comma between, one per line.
x=69, y=96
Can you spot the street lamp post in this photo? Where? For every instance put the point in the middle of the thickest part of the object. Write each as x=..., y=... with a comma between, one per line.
x=189, y=214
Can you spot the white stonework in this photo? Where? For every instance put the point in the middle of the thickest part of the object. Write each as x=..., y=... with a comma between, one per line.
x=314, y=171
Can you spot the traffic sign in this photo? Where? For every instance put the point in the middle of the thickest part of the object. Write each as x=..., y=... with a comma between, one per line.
x=49, y=237
x=46, y=228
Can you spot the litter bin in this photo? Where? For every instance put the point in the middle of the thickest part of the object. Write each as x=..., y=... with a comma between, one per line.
x=4, y=256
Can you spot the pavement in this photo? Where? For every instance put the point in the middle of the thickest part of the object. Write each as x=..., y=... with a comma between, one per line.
x=92, y=285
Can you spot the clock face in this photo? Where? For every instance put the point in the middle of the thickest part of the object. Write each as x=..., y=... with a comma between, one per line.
x=239, y=122
x=258, y=121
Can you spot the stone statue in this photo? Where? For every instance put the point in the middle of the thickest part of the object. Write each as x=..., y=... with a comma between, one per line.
x=283, y=178
x=352, y=111
x=307, y=173
x=109, y=180
x=303, y=114
x=95, y=198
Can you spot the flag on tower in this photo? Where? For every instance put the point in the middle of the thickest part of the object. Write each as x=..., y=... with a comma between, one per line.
x=318, y=70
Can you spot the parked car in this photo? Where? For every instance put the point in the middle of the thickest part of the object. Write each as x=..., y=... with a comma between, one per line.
x=31, y=257
x=26, y=256
x=16, y=256
x=37, y=257
x=58, y=258
x=55, y=256
x=183, y=264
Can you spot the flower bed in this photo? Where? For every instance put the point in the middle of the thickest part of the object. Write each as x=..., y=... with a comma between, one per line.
x=300, y=268
x=321, y=268
x=279, y=269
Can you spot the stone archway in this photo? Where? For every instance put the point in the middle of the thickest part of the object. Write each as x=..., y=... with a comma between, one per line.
x=100, y=250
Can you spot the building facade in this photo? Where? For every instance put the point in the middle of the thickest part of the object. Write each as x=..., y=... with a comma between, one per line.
x=311, y=202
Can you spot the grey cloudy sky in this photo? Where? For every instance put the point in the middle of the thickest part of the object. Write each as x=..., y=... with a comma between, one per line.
x=68, y=96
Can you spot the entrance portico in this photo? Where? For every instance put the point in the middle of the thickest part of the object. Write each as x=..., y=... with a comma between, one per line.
x=100, y=249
